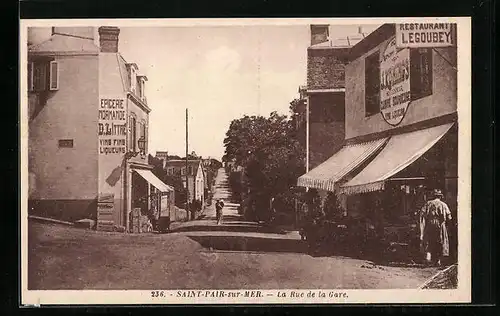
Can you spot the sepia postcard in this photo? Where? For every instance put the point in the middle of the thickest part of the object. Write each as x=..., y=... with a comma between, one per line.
x=245, y=161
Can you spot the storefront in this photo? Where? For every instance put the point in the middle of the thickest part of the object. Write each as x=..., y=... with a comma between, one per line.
x=401, y=127
x=151, y=199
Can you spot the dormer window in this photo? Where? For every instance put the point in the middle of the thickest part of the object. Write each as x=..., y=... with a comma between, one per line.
x=133, y=79
x=133, y=76
x=142, y=86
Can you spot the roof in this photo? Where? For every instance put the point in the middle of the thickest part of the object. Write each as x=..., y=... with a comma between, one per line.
x=344, y=42
x=122, y=64
x=382, y=33
x=64, y=44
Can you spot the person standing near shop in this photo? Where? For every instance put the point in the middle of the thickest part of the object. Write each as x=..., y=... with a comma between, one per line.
x=433, y=228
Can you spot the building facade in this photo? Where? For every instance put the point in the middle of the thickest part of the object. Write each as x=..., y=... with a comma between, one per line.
x=88, y=127
x=323, y=125
x=401, y=129
x=409, y=96
x=195, y=177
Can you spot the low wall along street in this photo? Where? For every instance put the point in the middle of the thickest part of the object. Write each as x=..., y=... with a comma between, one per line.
x=112, y=126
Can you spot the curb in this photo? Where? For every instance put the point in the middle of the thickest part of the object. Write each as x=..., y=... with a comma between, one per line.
x=436, y=275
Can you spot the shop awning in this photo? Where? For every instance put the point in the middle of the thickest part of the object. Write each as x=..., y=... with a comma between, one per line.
x=400, y=151
x=339, y=165
x=153, y=180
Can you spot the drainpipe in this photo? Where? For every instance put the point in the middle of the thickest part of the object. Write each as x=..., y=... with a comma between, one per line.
x=307, y=135
x=127, y=195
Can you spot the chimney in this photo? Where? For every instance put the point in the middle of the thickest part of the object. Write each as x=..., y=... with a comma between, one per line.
x=319, y=34
x=108, y=39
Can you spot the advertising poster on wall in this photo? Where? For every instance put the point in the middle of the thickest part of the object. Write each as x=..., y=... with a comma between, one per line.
x=395, y=93
x=112, y=126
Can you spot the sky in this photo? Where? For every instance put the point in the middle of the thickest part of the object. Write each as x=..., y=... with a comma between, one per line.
x=219, y=73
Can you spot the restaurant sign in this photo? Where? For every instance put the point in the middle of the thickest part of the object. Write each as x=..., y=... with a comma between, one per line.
x=425, y=35
x=395, y=94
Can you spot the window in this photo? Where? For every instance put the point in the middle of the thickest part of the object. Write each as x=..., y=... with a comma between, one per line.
x=170, y=171
x=420, y=72
x=143, y=95
x=133, y=78
x=372, y=84
x=133, y=134
x=143, y=134
x=53, y=75
x=39, y=76
x=190, y=170
x=31, y=66
x=183, y=171
x=43, y=75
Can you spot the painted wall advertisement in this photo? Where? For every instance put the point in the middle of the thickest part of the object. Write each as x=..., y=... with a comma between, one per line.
x=395, y=93
x=425, y=35
x=112, y=126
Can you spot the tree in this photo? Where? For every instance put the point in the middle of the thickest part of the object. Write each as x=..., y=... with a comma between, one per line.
x=297, y=111
x=271, y=156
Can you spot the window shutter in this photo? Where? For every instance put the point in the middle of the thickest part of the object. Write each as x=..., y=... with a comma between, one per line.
x=420, y=73
x=54, y=75
x=31, y=66
x=39, y=76
x=146, y=138
x=134, y=134
x=372, y=84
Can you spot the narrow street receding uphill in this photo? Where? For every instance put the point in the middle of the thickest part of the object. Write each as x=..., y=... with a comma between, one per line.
x=199, y=255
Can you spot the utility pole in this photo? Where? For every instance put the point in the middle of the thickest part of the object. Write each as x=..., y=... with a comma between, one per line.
x=186, y=173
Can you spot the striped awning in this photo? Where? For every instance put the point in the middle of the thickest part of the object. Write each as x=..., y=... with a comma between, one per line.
x=339, y=165
x=400, y=151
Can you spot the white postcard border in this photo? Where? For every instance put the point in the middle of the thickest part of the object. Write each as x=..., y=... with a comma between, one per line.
x=460, y=295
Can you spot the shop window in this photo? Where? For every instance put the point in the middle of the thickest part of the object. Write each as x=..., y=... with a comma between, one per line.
x=372, y=84
x=43, y=75
x=420, y=72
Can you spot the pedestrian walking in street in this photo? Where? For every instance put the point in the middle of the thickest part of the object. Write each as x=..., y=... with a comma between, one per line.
x=433, y=228
x=218, y=210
